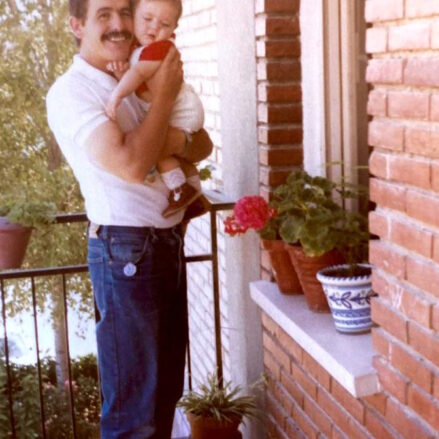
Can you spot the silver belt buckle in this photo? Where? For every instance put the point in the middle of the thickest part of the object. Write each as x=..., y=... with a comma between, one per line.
x=93, y=230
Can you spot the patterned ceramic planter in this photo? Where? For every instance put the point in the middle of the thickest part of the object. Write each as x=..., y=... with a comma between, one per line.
x=348, y=298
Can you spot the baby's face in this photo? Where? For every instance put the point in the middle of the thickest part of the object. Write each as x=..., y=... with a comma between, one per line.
x=154, y=21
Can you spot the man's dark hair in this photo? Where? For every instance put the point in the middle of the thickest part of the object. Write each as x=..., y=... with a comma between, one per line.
x=78, y=8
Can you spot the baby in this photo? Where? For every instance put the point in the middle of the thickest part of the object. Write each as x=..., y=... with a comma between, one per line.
x=154, y=25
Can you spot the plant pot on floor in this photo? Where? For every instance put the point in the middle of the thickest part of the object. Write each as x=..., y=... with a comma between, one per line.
x=210, y=428
x=349, y=296
x=283, y=270
x=306, y=268
x=14, y=239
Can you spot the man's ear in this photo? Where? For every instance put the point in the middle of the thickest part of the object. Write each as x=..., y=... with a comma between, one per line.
x=77, y=26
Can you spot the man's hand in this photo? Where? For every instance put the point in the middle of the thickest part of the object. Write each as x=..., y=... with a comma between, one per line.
x=118, y=68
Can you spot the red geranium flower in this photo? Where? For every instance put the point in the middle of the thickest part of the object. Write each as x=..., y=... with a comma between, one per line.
x=250, y=212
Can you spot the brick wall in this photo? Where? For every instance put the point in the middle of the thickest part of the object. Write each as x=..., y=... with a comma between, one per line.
x=304, y=401
x=279, y=94
x=404, y=106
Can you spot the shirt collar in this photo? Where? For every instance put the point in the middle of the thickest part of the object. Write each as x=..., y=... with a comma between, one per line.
x=104, y=79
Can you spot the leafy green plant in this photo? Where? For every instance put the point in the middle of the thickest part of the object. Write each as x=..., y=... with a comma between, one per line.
x=29, y=213
x=221, y=403
x=307, y=214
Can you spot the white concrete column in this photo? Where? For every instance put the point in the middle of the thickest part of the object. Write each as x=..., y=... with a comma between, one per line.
x=237, y=79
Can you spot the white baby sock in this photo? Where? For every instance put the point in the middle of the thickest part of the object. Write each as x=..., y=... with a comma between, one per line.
x=173, y=178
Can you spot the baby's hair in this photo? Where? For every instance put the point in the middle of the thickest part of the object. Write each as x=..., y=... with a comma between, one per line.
x=177, y=3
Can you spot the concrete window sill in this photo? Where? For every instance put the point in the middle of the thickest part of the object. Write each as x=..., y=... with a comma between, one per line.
x=347, y=358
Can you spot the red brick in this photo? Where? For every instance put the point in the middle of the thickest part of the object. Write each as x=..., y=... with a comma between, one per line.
x=422, y=72
x=378, y=401
x=305, y=424
x=378, y=426
x=386, y=134
x=271, y=365
x=435, y=318
x=319, y=418
x=411, y=366
x=339, y=415
x=385, y=288
x=407, y=235
x=304, y=381
x=270, y=6
x=380, y=342
x=378, y=164
x=436, y=387
x=316, y=371
x=425, y=405
x=276, y=93
x=435, y=176
x=287, y=113
x=276, y=410
x=277, y=157
x=272, y=176
x=387, y=195
x=278, y=49
x=405, y=423
x=269, y=324
x=290, y=345
x=292, y=388
x=377, y=10
x=279, y=70
x=387, y=258
x=377, y=103
x=279, y=136
x=394, y=323
x=276, y=26
x=405, y=169
x=408, y=105
x=281, y=357
x=379, y=224
x=422, y=142
x=292, y=431
x=416, y=307
x=385, y=71
x=420, y=8
x=423, y=207
x=281, y=396
x=423, y=274
x=411, y=36
x=376, y=39
x=425, y=342
x=353, y=405
x=434, y=105
x=392, y=381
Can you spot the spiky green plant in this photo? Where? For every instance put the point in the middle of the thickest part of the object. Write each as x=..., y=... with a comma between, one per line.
x=221, y=403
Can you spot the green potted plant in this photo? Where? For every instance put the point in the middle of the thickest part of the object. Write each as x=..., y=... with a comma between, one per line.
x=254, y=213
x=17, y=218
x=215, y=411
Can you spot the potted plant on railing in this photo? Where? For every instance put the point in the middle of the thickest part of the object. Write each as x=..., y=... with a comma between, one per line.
x=215, y=412
x=17, y=218
x=254, y=213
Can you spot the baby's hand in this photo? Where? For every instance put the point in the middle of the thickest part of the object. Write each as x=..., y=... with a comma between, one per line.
x=118, y=68
x=111, y=107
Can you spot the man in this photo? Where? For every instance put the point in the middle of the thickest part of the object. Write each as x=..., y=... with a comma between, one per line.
x=135, y=255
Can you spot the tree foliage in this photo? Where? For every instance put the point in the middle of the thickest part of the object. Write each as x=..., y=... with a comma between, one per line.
x=36, y=47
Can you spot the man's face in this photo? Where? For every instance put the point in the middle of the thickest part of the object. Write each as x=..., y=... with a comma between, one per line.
x=105, y=33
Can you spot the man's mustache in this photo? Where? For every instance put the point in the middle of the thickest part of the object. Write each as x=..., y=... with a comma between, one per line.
x=117, y=34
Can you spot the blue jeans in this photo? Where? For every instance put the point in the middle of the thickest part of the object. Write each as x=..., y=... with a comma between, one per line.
x=139, y=283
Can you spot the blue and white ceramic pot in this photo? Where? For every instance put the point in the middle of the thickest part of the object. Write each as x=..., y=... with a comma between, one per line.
x=348, y=297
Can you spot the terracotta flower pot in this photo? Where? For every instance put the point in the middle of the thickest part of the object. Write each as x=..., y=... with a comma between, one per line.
x=284, y=272
x=14, y=239
x=306, y=268
x=211, y=428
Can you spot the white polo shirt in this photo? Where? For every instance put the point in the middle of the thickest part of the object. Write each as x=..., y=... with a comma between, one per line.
x=75, y=108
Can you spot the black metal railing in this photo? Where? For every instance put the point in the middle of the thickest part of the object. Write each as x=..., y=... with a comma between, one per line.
x=216, y=203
